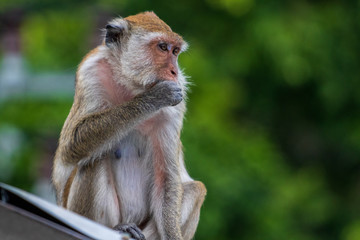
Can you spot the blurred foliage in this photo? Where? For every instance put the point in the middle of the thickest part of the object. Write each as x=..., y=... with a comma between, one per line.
x=64, y=30
x=273, y=122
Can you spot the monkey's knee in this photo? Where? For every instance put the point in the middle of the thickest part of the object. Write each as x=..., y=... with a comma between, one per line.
x=195, y=190
x=193, y=198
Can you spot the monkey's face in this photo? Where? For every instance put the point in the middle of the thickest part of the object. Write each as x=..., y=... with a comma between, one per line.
x=147, y=49
x=152, y=57
x=164, y=55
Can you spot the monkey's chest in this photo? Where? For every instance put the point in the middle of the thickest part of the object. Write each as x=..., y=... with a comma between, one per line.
x=130, y=163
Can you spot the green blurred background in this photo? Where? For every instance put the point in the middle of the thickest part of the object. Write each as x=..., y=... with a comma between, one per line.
x=273, y=121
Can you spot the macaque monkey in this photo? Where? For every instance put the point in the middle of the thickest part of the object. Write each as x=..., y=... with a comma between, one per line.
x=119, y=159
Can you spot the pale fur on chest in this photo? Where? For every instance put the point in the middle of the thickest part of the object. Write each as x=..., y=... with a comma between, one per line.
x=132, y=172
x=136, y=171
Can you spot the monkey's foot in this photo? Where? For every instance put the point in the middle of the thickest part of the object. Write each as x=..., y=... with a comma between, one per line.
x=130, y=229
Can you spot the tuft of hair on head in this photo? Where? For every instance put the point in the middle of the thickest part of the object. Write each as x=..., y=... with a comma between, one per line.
x=150, y=22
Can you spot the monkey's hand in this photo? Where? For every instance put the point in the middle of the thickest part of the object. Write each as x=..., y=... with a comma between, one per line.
x=130, y=229
x=163, y=94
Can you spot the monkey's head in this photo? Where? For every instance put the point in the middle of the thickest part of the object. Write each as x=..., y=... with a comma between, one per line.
x=146, y=49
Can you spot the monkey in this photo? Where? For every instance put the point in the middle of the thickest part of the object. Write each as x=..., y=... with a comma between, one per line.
x=119, y=159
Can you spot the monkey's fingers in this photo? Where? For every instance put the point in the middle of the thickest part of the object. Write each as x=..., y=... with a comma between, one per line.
x=136, y=233
x=178, y=97
x=130, y=229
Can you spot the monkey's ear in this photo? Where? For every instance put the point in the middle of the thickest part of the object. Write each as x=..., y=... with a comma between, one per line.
x=115, y=30
x=113, y=33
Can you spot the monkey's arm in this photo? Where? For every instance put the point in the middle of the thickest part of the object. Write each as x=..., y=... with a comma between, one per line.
x=90, y=133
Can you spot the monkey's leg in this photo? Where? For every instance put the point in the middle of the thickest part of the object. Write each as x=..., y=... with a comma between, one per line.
x=167, y=187
x=93, y=194
x=150, y=230
x=193, y=198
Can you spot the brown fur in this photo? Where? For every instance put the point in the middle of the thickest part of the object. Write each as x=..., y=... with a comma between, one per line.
x=150, y=22
x=67, y=187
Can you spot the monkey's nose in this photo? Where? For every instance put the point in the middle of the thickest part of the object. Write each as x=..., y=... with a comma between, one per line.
x=173, y=70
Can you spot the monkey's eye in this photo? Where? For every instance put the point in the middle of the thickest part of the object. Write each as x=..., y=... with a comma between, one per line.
x=163, y=46
x=176, y=51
